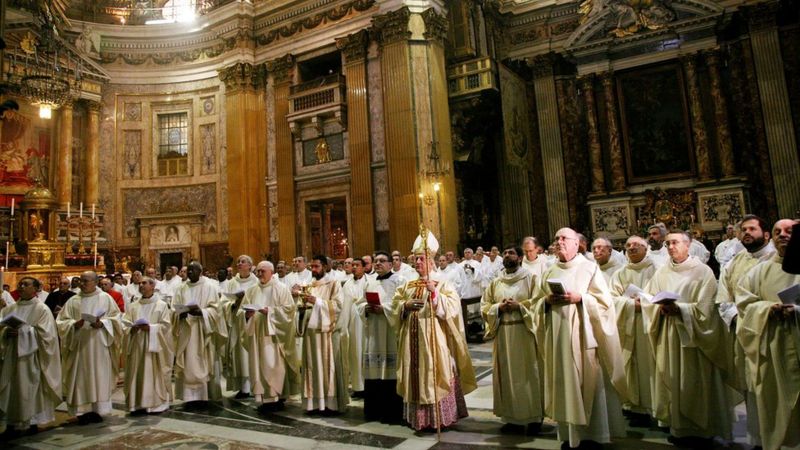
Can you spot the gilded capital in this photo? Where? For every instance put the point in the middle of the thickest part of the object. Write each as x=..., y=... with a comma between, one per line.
x=435, y=25
x=354, y=46
x=281, y=68
x=392, y=26
x=243, y=76
x=92, y=106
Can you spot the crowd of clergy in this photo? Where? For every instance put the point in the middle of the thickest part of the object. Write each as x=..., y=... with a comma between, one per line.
x=586, y=336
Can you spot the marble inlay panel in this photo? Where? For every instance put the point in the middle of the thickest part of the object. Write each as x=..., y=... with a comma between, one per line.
x=178, y=199
x=375, y=92
x=208, y=145
x=132, y=154
x=381, y=181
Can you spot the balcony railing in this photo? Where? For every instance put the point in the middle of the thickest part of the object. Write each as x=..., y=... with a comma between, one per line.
x=320, y=93
x=471, y=77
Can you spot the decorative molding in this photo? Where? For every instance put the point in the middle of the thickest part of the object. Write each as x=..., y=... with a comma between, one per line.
x=544, y=32
x=309, y=23
x=243, y=76
x=435, y=25
x=354, y=46
x=392, y=26
x=281, y=68
x=133, y=112
x=761, y=16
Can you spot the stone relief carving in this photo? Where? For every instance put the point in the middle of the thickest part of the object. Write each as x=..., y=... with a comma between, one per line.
x=133, y=112
x=311, y=22
x=170, y=235
x=188, y=199
x=721, y=209
x=132, y=154
x=208, y=140
x=208, y=105
x=628, y=17
x=611, y=220
x=273, y=214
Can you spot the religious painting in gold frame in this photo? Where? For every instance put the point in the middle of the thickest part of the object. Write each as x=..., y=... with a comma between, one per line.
x=655, y=125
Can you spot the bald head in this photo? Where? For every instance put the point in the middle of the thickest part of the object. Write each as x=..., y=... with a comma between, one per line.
x=635, y=249
x=264, y=271
x=566, y=244
x=781, y=233
x=601, y=250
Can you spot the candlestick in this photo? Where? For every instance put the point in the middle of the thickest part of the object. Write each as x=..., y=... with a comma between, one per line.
x=95, y=254
x=12, y=207
x=81, y=211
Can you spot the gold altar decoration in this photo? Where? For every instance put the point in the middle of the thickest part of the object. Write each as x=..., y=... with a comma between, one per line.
x=38, y=229
x=627, y=17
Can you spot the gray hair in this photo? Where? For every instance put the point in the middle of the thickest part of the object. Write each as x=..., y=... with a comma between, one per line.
x=267, y=264
x=246, y=258
x=661, y=228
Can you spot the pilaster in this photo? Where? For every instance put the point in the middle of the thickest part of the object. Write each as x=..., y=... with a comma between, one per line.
x=92, y=153
x=699, y=133
x=64, y=168
x=614, y=144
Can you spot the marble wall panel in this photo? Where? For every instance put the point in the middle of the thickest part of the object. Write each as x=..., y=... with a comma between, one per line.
x=375, y=92
x=381, y=180
x=131, y=154
x=208, y=147
x=178, y=199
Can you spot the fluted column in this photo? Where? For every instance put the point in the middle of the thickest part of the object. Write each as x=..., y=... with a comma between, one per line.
x=92, y=154
x=248, y=224
x=362, y=234
x=722, y=130
x=282, y=70
x=64, y=168
x=699, y=134
x=595, y=149
x=417, y=119
x=614, y=144
x=775, y=106
x=550, y=138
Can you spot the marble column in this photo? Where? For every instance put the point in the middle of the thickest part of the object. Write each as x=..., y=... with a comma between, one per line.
x=362, y=234
x=92, y=154
x=550, y=137
x=417, y=120
x=775, y=106
x=282, y=71
x=721, y=128
x=246, y=165
x=614, y=140
x=699, y=134
x=64, y=168
x=595, y=149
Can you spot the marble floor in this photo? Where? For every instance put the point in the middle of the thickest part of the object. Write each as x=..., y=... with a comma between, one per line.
x=235, y=424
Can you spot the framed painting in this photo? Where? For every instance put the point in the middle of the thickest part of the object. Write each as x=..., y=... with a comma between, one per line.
x=655, y=124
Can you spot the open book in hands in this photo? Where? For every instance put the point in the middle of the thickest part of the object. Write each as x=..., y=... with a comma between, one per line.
x=250, y=307
x=373, y=298
x=633, y=291
x=790, y=295
x=665, y=298
x=12, y=321
x=93, y=317
x=234, y=295
x=180, y=309
x=557, y=286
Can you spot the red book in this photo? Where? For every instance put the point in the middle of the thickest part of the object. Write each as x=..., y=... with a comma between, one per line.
x=373, y=299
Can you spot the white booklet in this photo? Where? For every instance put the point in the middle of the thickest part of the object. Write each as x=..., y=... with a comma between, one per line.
x=93, y=317
x=250, y=307
x=790, y=295
x=233, y=295
x=665, y=297
x=557, y=286
x=180, y=309
x=633, y=291
x=12, y=321
x=140, y=321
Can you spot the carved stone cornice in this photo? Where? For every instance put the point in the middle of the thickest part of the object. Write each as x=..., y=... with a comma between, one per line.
x=392, y=26
x=542, y=65
x=354, y=46
x=309, y=23
x=435, y=25
x=761, y=16
x=243, y=76
x=281, y=68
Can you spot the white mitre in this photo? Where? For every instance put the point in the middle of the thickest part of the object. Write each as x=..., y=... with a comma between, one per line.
x=425, y=242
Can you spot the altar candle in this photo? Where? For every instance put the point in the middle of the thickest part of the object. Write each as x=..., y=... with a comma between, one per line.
x=95, y=254
x=7, y=244
x=81, y=210
x=92, y=211
x=12, y=207
x=67, y=210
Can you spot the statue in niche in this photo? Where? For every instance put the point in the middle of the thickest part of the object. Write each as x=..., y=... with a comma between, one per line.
x=89, y=42
x=322, y=151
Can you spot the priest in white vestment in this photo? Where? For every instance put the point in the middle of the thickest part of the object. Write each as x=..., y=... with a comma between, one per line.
x=517, y=380
x=235, y=358
x=30, y=363
x=626, y=284
x=381, y=401
x=148, y=348
x=351, y=326
x=759, y=248
x=688, y=342
x=324, y=387
x=268, y=310
x=655, y=239
x=200, y=334
x=584, y=374
x=769, y=331
x=602, y=253
x=91, y=331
